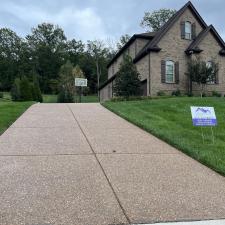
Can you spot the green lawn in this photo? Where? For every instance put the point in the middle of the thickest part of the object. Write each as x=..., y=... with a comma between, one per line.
x=170, y=120
x=49, y=98
x=87, y=99
x=84, y=99
x=9, y=111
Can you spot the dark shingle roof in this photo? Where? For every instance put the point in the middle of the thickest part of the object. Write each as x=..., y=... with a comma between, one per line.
x=152, y=45
x=148, y=36
x=194, y=44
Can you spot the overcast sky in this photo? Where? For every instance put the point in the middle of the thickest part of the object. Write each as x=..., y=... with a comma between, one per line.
x=98, y=19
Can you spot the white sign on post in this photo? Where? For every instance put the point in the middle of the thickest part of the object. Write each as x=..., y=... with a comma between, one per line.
x=203, y=116
x=80, y=82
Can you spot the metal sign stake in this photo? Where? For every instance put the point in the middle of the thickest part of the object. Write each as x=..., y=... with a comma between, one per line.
x=213, y=138
x=203, y=138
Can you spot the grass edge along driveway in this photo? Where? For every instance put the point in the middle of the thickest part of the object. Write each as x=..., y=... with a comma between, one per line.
x=170, y=120
x=10, y=111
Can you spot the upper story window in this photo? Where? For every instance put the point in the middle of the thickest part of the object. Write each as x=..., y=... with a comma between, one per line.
x=170, y=72
x=188, y=30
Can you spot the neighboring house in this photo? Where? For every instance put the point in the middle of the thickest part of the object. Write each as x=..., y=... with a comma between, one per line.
x=161, y=57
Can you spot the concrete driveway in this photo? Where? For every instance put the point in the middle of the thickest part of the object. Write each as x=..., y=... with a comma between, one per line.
x=70, y=164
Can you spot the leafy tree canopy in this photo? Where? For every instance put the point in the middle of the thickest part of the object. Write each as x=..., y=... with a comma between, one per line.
x=123, y=40
x=153, y=21
x=202, y=72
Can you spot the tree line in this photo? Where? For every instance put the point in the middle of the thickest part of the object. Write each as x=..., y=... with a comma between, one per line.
x=39, y=56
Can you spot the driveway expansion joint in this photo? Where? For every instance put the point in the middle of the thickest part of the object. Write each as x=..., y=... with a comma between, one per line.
x=95, y=155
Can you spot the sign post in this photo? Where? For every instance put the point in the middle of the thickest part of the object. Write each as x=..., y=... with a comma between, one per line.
x=80, y=82
x=204, y=117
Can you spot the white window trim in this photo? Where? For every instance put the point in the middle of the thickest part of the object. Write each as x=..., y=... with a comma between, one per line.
x=170, y=82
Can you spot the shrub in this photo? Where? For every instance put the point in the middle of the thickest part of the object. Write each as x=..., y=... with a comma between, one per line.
x=161, y=93
x=15, y=90
x=36, y=92
x=216, y=94
x=127, y=82
x=65, y=96
x=176, y=93
x=25, y=90
x=190, y=94
x=1, y=95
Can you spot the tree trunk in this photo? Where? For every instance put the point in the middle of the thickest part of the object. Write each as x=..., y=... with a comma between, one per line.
x=98, y=75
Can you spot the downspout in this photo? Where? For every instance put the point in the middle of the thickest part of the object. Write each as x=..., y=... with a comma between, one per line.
x=190, y=80
x=149, y=74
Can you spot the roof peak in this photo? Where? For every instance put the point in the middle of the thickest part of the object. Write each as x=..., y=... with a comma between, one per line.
x=163, y=30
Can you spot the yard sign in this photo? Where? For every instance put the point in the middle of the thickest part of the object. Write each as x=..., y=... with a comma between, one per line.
x=203, y=116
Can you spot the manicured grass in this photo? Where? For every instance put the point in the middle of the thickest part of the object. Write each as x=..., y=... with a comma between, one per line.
x=170, y=120
x=84, y=99
x=9, y=111
x=87, y=99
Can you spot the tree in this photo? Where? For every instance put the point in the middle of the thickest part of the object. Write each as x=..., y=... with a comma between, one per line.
x=48, y=48
x=67, y=89
x=35, y=89
x=25, y=90
x=123, y=40
x=75, y=49
x=153, y=21
x=99, y=52
x=15, y=90
x=202, y=72
x=10, y=44
x=127, y=81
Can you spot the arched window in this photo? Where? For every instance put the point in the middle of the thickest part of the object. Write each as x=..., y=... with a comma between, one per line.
x=188, y=30
x=170, y=71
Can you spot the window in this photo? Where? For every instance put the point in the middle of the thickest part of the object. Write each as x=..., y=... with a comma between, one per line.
x=170, y=71
x=187, y=30
x=212, y=79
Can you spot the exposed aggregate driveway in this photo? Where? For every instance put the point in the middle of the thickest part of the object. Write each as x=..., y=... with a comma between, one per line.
x=79, y=164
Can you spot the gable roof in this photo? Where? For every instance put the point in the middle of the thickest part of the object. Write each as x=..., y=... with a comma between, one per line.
x=148, y=36
x=193, y=47
x=152, y=46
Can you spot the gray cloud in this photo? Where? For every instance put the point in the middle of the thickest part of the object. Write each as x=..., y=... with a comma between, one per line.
x=97, y=19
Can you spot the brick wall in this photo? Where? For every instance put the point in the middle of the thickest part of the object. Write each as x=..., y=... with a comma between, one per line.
x=210, y=48
x=132, y=50
x=173, y=48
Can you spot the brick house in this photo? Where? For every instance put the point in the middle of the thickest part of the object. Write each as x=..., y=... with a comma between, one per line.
x=161, y=57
